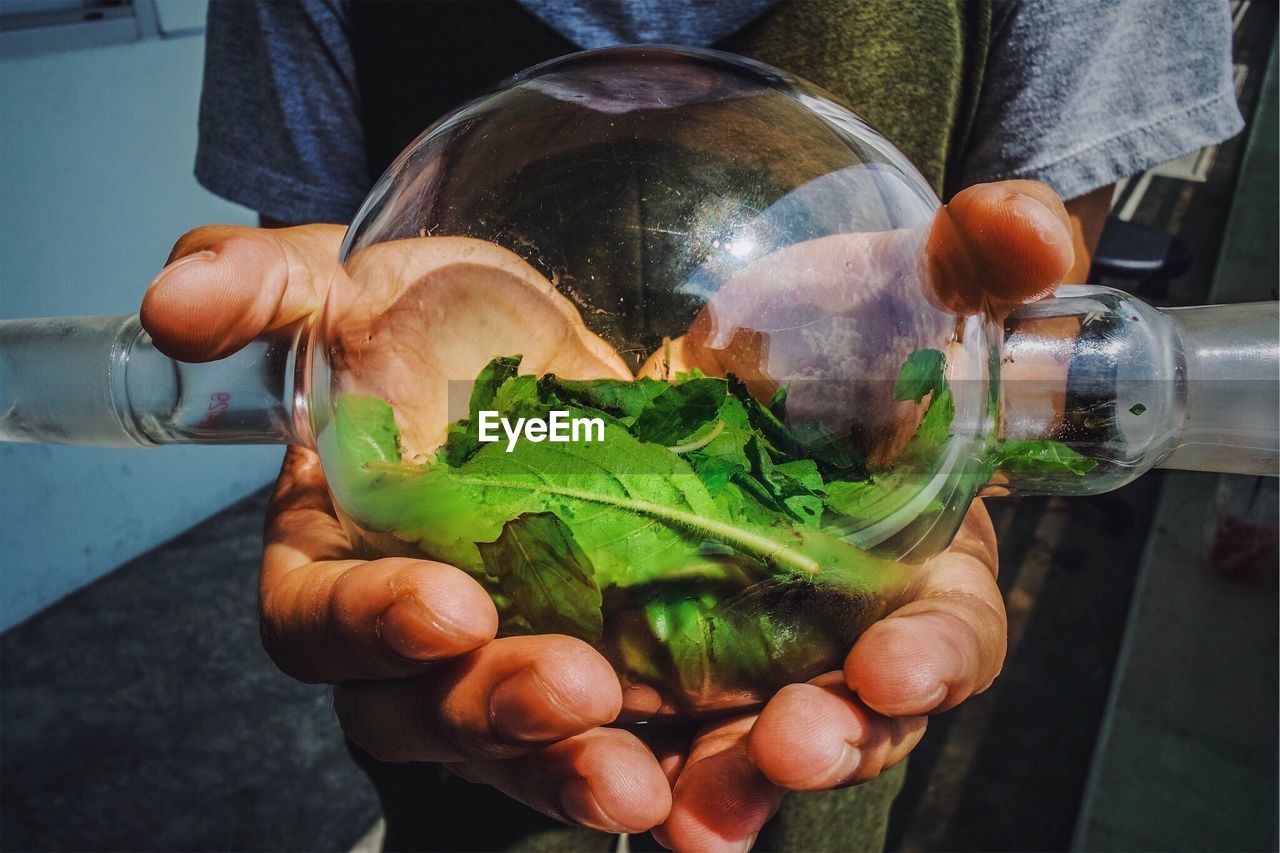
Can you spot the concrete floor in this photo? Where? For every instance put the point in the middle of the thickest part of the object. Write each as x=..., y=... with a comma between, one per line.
x=141, y=713
x=1187, y=759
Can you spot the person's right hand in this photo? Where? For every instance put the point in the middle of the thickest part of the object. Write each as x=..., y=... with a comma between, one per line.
x=409, y=643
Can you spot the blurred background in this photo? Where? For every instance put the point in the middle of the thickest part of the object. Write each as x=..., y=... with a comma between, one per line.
x=1138, y=708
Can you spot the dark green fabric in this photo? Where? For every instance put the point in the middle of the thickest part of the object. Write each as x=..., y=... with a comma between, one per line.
x=471, y=817
x=848, y=820
x=911, y=68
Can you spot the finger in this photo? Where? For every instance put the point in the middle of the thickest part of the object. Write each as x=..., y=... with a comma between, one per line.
x=224, y=285
x=604, y=778
x=498, y=701
x=995, y=246
x=947, y=644
x=721, y=800
x=329, y=618
x=819, y=735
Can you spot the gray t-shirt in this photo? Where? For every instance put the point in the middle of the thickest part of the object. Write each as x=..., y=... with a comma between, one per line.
x=1076, y=94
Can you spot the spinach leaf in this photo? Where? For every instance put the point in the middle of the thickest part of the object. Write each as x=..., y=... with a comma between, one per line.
x=935, y=427
x=799, y=485
x=851, y=504
x=492, y=377
x=794, y=488
x=1040, y=457
x=616, y=397
x=924, y=372
x=636, y=509
x=835, y=455
x=462, y=438
x=768, y=426
x=680, y=411
x=767, y=634
x=366, y=429
x=717, y=451
x=550, y=579
x=728, y=527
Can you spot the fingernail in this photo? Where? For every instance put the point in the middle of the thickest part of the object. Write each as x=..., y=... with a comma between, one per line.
x=748, y=844
x=842, y=768
x=937, y=698
x=580, y=805
x=201, y=257
x=413, y=632
x=523, y=710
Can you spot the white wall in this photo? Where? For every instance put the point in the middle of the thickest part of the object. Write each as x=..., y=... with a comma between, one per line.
x=96, y=153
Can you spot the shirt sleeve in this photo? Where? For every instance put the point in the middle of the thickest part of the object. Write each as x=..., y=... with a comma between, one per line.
x=1082, y=94
x=280, y=128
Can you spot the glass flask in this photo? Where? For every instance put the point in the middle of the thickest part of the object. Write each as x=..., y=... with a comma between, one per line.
x=643, y=341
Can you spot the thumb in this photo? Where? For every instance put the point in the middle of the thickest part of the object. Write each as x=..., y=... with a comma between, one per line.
x=224, y=285
x=999, y=245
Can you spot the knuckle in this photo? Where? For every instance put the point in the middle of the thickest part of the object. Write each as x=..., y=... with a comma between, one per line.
x=287, y=618
x=348, y=597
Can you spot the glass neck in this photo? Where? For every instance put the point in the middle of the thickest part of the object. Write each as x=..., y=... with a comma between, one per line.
x=1229, y=422
x=1130, y=387
x=101, y=381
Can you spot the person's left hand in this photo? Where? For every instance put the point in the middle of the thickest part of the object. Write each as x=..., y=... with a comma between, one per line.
x=845, y=728
x=993, y=247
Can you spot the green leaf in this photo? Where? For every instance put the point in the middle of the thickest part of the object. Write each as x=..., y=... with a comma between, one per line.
x=765, y=635
x=710, y=652
x=934, y=429
x=767, y=425
x=924, y=372
x=550, y=579
x=680, y=411
x=636, y=509
x=777, y=404
x=563, y=534
x=462, y=438
x=366, y=429
x=836, y=456
x=714, y=472
x=616, y=397
x=801, y=488
x=853, y=503
x=724, y=436
x=857, y=499
x=519, y=397
x=993, y=384
x=792, y=488
x=492, y=377
x=1041, y=457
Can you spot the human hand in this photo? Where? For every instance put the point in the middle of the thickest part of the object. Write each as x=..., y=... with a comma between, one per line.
x=409, y=643
x=321, y=606
x=947, y=642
